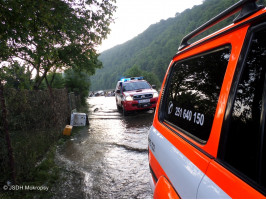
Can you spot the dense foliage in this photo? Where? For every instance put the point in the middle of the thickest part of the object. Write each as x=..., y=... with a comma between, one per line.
x=135, y=71
x=79, y=83
x=52, y=35
x=153, y=49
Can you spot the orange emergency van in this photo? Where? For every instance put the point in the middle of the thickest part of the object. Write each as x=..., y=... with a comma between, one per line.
x=208, y=135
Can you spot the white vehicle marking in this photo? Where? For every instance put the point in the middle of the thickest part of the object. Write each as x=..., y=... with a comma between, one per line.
x=183, y=174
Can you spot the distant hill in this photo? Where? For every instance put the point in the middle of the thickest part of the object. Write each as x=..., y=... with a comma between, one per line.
x=153, y=49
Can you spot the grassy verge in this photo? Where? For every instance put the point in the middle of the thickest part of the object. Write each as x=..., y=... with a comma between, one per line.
x=35, y=179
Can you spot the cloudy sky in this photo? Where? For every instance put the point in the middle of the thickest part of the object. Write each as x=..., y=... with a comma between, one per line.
x=135, y=16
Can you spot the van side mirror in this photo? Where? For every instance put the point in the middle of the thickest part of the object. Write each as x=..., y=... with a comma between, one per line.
x=153, y=86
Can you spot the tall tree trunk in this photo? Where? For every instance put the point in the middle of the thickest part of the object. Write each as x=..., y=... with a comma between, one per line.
x=49, y=86
x=6, y=132
x=39, y=80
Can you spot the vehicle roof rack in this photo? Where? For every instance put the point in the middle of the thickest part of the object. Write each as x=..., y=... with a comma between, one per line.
x=247, y=7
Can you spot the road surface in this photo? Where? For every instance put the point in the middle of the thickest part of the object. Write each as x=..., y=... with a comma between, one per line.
x=108, y=158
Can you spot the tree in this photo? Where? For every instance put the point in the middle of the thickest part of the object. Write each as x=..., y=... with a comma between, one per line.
x=56, y=80
x=53, y=80
x=15, y=76
x=135, y=71
x=53, y=35
x=78, y=82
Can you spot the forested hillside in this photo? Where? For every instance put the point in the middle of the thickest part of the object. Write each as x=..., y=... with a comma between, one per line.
x=153, y=49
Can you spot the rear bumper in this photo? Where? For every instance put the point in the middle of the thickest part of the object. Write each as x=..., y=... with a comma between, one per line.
x=135, y=105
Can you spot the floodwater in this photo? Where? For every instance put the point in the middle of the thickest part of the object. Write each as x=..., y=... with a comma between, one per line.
x=108, y=158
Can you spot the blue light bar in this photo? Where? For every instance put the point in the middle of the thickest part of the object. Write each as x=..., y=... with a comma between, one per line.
x=132, y=78
x=125, y=79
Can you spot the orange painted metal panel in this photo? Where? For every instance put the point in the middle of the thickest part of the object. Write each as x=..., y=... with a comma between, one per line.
x=231, y=184
x=164, y=190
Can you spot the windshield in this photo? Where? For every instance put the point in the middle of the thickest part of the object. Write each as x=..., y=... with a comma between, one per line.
x=135, y=86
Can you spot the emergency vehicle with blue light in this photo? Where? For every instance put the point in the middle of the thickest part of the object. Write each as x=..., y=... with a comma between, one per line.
x=134, y=94
x=208, y=138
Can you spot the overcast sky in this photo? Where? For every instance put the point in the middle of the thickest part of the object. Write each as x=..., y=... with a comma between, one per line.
x=132, y=17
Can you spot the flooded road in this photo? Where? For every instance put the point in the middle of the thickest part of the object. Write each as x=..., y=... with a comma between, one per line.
x=108, y=158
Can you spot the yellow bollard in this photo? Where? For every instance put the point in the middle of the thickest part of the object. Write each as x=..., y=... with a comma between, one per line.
x=67, y=130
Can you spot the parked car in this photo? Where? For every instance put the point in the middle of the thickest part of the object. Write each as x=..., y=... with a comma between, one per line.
x=134, y=94
x=99, y=93
x=208, y=135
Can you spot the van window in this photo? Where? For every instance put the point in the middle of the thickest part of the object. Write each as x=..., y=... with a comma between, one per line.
x=193, y=90
x=244, y=144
